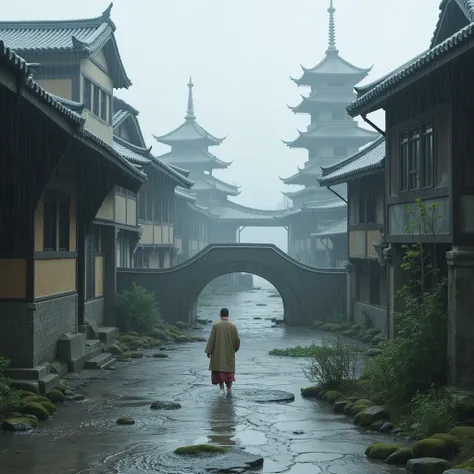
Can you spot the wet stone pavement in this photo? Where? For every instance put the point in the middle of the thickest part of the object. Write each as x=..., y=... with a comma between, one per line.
x=294, y=437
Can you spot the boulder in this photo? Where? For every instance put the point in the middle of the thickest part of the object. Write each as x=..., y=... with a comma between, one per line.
x=427, y=466
x=464, y=408
x=339, y=406
x=115, y=349
x=463, y=433
x=400, y=457
x=37, y=409
x=377, y=425
x=310, y=392
x=199, y=449
x=452, y=443
x=386, y=427
x=55, y=396
x=432, y=448
x=372, y=414
x=457, y=471
x=333, y=396
x=126, y=420
x=20, y=423
x=359, y=407
x=159, y=405
x=381, y=451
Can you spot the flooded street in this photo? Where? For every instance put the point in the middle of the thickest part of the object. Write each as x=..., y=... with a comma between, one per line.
x=299, y=437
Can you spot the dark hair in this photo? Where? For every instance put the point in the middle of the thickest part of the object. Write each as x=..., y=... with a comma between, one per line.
x=224, y=312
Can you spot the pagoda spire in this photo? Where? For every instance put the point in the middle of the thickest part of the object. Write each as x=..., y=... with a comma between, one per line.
x=332, y=30
x=190, y=112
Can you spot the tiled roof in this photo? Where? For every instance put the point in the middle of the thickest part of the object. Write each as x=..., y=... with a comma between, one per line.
x=466, y=6
x=368, y=159
x=341, y=133
x=123, y=111
x=233, y=211
x=368, y=101
x=339, y=228
x=208, y=182
x=84, y=37
x=331, y=64
x=177, y=174
x=309, y=104
x=184, y=194
x=329, y=205
x=313, y=193
x=132, y=155
x=189, y=131
x=194, y=157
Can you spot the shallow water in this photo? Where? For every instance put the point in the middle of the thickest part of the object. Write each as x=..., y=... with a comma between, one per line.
x=299, y=437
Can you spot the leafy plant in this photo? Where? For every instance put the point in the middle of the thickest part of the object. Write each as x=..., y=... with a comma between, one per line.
x=433, y=411
x=297, y=351
x=332, y=363
x=8, y=396
x=416, y=359
x=136, y=310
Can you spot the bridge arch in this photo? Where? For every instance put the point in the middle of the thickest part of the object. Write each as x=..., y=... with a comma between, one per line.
x=307, y=292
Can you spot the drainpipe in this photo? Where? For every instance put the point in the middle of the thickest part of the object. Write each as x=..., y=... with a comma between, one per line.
x=337, y=194
x=372, y=124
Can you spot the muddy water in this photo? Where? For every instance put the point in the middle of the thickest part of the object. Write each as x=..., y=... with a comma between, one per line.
x=297, y=438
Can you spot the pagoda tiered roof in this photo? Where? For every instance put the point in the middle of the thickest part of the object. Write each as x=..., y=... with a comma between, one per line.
x=207, y=182
x=200, y=157
x=189, y=133
x=339, y=228
x=307, y=174
x=321, y=97
x=333, y=63
x=329, y=205
x=83, y=38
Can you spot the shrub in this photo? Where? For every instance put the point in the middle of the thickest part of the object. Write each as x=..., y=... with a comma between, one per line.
x=332, y=363
x=434, y=412
x=416, y=359
x=8, y=396
x=137, y=310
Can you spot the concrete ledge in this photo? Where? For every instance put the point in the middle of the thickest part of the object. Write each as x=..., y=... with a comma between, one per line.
x=108, y=334
x=375, y=315
x=33, y=373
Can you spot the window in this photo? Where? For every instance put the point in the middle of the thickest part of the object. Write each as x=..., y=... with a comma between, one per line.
x=374, y=275
x=109, y=107
x=370, y=207
x=49, y=223
x=96, y=100
x=428, y=155
x=87, y=99
x=63, y=214
x=103, y=105
x=417, y=158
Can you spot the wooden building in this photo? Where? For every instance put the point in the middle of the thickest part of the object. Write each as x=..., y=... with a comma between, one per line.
x=155, y=245
x=428, y=106
x=366, y=284
x=330, y=136
x=80, y=64
x=54, y=177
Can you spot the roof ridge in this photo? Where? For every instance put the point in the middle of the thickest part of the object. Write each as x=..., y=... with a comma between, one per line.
x=140, y=150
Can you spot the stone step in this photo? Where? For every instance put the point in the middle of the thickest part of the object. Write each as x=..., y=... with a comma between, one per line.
x=100, y=362
x=92, y=344
x=48, y=383
x=90, y=354
x=28, y=385
x=108, y=334
x=33, y=373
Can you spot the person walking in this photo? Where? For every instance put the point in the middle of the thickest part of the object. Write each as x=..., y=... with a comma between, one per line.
x=223, y=343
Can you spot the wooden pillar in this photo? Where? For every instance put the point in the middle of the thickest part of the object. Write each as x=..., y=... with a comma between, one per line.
x=109, y=236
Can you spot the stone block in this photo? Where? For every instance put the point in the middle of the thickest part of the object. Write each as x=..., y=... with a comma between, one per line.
x=33, y=373
x=71, y=346
x=108, y=334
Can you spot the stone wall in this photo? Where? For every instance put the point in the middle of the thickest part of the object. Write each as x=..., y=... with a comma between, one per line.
x=376, y=316
x=16, y=333
x=52, y=319
x=94, y=311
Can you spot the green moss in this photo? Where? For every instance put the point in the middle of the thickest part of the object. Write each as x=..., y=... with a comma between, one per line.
x=333, y=396
x=25, y=393
x=464, y=408
x=327, y=327
x=400, y=457
x=33, y=422
x=373, y=332
x=339, y=406
x=158, y=334
x=371, y=415
x=298, y=351
x=366, y=338
x=133, y=342
x=181, y=324
x=451, y=441
x=463, y=433
x=48, y=406
x=381, y=450
x=467, y=465
x=55, y=396
x=431, y=448
x=310, y=392
x=198, y=449
x=376, y=425
x=317, y=324
x=123, y=357
x=136, y=355
x=357, y=327
x=37, y=409
x=349, y=333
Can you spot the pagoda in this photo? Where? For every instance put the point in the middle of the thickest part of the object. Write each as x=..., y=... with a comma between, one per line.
x=190, y=144
x=332, y=134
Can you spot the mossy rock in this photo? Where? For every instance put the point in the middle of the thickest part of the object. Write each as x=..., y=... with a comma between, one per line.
x=165, y=405
x=370, y=415
x=467, y=465
x=353, y=399
x=50, y=408
x=126, y=420
x=37, y=409
x=25, y=393
x=377, y=339
x=464, y=408
x=160, y=355
x=400, y=457
x=381, y=451
x=327, y=327
x=339, y=406
x=159, y=334
x=317, y=324
x=55, y=396
x=366, y=338
x=132, y=333
x=199, y=449
x=381, y=345
x=181, y=324
x=453, y=443
x=310, y=392
x=133, y=342
x=376, y=425
x=136, y=355
x=33, y=398
x=360, y=405
x=333, y=396
x=349, y=333
x=356, y=327
x=463, y=433
x=374, y=352
x=373, y=332
x=20, y=423
x=431, y=448
x=114, y=349
x=123, y=357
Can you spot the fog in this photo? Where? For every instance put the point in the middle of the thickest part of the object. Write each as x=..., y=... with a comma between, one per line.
x=241, y=56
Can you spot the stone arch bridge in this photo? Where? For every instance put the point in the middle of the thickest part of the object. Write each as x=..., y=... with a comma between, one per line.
x=307, y=292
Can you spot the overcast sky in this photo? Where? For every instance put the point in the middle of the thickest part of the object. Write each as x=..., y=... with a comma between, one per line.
x=241, y=55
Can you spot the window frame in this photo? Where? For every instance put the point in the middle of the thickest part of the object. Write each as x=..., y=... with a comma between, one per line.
x=50, y=199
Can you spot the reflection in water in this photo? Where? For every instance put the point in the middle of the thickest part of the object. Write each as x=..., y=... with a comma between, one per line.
x=222, y=421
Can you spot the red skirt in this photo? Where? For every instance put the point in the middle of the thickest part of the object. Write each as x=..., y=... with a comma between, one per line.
x=222, y=377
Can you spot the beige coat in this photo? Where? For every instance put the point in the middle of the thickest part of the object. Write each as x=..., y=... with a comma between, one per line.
x=223, y=343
